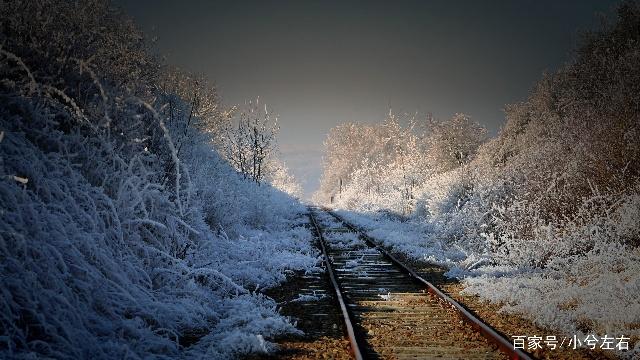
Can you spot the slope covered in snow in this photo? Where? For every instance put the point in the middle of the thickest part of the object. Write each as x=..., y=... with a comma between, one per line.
x=542, y=218
x=123, y=233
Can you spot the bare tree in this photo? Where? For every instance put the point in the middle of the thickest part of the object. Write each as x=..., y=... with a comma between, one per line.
x=251, y=139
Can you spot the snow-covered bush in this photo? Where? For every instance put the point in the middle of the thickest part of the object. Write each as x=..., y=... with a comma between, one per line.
x=122, y=232
x=549, y=206
x=565, y=154
x=590, y=281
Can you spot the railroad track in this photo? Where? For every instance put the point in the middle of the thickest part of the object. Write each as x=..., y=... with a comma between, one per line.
x=389, y=311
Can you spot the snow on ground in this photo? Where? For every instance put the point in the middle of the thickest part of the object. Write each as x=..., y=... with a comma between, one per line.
x=84, y=277
x=594, y=293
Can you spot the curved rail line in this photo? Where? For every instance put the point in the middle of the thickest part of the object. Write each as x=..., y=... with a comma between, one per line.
x=348, y=305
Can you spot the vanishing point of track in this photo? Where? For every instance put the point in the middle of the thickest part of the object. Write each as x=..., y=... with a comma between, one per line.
x=390, y=311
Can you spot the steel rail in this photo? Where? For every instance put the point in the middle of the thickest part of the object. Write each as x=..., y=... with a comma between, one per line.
x=486, y=330
x=355, y=347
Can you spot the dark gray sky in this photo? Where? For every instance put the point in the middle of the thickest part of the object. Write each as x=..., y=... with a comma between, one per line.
x=320, y=63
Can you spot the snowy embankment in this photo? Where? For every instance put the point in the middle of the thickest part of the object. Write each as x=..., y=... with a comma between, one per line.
x=123, y=234
x=574, y=294
x=83, y=276
x=542, y=218
x=112, y=270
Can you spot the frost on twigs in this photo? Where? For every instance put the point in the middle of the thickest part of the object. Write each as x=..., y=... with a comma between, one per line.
x=543, y=217
x=123, y=233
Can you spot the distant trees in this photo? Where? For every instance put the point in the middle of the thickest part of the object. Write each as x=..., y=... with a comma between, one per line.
x=277, y=175
x=386, y=162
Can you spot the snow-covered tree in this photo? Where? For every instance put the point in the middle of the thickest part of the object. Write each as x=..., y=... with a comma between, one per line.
x=191, y=102
x=279, y=176
x=454, y=142
x=389, y=161
x=250, y=139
